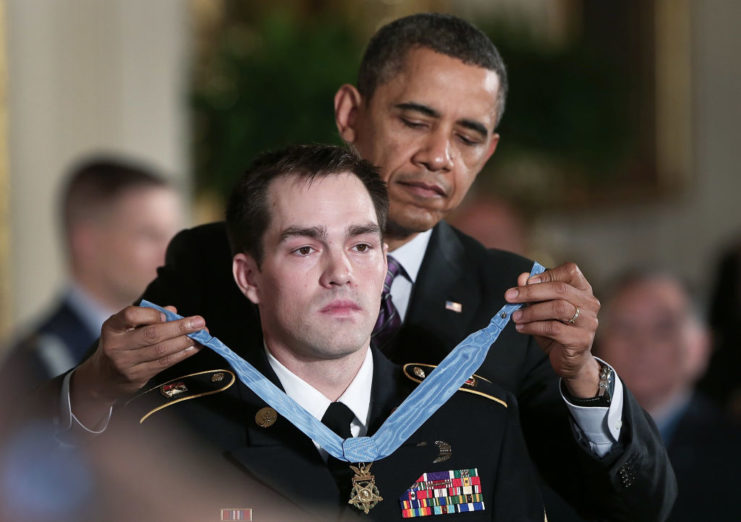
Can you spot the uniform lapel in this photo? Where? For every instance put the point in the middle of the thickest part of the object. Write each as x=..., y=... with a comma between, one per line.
x=280, y=455
x=386, y=393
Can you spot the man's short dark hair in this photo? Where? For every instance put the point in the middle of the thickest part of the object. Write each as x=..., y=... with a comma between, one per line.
x=444, y=34
x=248, y=216
x=94, y=184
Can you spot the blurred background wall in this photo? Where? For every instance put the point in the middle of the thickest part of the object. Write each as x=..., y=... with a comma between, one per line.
x=83, y=76
x=619, y=144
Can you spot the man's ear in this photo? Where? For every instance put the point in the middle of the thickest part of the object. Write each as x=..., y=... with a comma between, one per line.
x=246, y=274
x=347, y=103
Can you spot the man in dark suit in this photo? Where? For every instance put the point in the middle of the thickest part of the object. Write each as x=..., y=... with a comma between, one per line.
x=306, y=226
x=430, y=93
x=118, y=217
x=660, y=345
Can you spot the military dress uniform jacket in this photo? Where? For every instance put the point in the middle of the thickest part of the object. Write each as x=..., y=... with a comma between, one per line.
x=633, y=482
x=474, y=436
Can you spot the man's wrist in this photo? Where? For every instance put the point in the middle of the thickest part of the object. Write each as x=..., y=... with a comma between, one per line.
x=584, y=384
x=87, y=402
x=605, y=388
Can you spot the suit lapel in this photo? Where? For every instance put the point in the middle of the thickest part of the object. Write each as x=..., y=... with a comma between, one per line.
x=431, y=329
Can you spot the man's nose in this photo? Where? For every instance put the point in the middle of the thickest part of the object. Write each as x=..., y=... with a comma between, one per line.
x=337, y=269
x=437, y=152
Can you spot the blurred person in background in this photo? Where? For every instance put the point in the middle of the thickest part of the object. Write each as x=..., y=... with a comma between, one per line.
x=722, y=381
x=654, y=336
x=117, y=218
x=494, y=222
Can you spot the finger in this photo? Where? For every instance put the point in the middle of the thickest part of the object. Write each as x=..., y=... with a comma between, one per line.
x=579, y=339
x=562, y=311
x=132, y=317
x=158, y=351
x=152, y=334
x=144, y=371
x=171, y=308
x=552, y=291
x=522, y=278
x=567, y=273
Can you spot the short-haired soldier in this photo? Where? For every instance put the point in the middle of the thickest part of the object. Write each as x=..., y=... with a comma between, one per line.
x=306, y=225
x=430, y=92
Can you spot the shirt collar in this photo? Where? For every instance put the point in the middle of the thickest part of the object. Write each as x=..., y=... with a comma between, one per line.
x=356, y=397
x=410, y=255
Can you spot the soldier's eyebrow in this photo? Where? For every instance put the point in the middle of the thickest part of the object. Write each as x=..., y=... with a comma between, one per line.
x=319, y=233
x=359, y=230
x=473, y=125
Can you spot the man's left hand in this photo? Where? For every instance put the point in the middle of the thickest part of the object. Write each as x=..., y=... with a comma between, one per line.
x=562, y=316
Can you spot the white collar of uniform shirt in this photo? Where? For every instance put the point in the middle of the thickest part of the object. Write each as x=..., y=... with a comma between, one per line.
x=357, y=396
x=409, y=256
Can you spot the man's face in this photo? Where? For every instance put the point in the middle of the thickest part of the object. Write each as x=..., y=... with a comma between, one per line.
x=132, y=239
x=652, y=339
x=430, y=131
x=319, y=284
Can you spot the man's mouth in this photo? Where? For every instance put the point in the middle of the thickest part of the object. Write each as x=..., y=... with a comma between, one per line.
x=341, y=307
x=422, y=189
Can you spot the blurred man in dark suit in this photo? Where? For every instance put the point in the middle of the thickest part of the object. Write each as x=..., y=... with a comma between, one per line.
x=656, y=339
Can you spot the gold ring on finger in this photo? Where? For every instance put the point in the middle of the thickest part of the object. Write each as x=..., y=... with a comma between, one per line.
x=573, y=319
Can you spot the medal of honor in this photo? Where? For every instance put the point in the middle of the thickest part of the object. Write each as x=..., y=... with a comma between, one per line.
x=364, y=494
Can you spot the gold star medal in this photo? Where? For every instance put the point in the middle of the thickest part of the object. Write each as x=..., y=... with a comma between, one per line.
x=364, y=494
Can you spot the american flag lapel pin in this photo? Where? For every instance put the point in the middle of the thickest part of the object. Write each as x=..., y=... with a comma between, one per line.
x=453, y=306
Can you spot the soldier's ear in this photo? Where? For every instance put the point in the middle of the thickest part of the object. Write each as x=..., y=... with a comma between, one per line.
x=246, y=273
x=347, y=103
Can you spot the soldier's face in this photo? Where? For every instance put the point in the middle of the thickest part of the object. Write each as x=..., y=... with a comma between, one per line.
x=319, y=284
x=430, y=130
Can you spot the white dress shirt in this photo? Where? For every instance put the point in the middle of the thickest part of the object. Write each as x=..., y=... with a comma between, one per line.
x=357, y=396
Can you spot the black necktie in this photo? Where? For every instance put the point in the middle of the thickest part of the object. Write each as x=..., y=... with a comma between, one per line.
x=338, y=418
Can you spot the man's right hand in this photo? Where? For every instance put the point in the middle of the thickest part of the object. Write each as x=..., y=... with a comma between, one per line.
x=135, y=345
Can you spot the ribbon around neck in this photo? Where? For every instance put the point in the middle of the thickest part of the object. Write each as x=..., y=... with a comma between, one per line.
x=452, y=372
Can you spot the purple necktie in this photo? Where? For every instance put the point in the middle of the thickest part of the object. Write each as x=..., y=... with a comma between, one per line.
x=389, y=321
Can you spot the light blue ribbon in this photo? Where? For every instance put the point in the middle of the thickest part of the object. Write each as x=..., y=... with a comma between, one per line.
x=419, y=406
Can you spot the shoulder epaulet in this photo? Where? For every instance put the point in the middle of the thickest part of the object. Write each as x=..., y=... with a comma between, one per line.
x=179, y=389
x=475, y=384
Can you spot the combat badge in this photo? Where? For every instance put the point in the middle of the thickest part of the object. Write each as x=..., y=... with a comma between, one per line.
x=364, y=494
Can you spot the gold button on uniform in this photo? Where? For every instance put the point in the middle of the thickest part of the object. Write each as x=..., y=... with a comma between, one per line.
x=266, y=417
